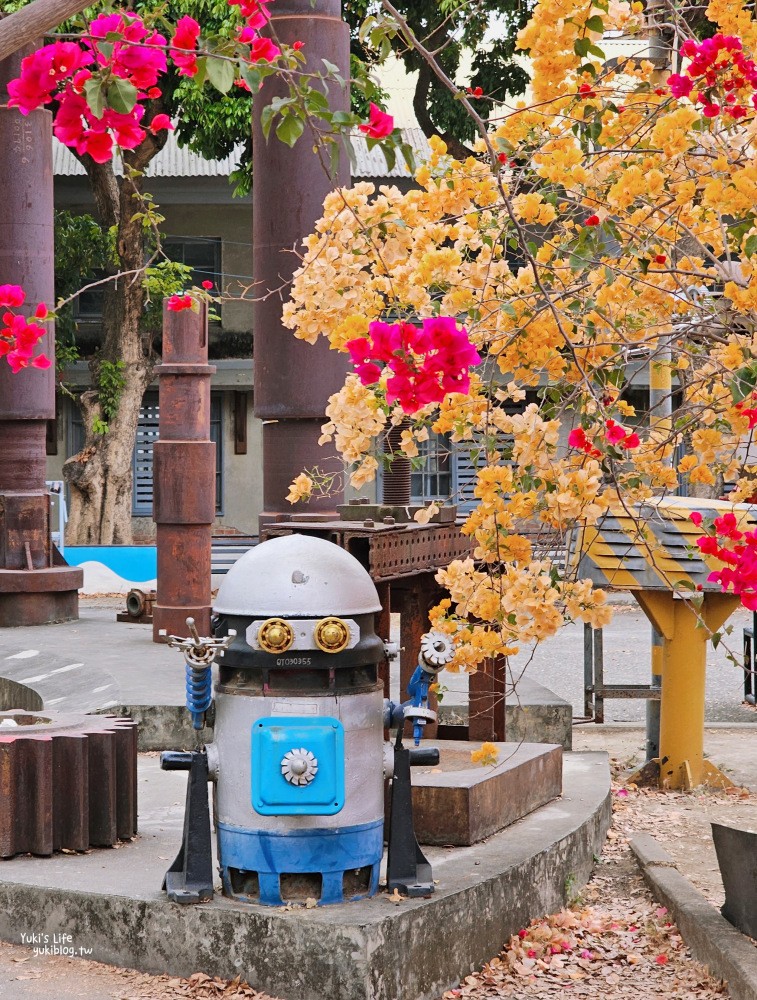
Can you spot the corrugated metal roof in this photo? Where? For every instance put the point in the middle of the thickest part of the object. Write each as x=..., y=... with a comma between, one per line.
x=171, y=161
x=373, y=163
x=174, y=161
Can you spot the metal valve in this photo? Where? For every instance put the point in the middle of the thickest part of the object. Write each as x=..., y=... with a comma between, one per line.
x=437, y=650
x=199, y=651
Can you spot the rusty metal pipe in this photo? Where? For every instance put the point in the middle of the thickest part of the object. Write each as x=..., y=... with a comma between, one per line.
x=293, y=380
x=32, y=590
x=184, y=475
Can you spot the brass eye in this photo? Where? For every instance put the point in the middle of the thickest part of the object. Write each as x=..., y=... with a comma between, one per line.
x=332, y=635
x=275, y=635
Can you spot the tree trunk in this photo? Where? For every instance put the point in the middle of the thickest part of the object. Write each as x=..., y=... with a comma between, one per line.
x=100, y=476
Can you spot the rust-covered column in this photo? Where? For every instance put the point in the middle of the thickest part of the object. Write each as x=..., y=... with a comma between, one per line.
x=184, y=475
x=33, y=591
x=293, y=380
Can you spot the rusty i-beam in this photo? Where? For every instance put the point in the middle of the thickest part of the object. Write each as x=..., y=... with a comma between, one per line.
x=184, y=464
x=293, y=380
x=33, y=590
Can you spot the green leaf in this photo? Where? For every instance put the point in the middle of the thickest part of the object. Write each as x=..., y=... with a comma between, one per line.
x=744, y=383
x=407, y=152
x=581, y=46
x=595, y=23
x=221, y=74
x=577, y=262
x=343, y=118
x=316, y=102
x=289, y=129
x=333, y=71
x=751, y=245
x=390, y=156
x=251, y=76
x=95, y=98
x=122, y=96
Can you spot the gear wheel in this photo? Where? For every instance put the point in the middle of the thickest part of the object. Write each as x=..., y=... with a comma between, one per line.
x=437, y=650
x=67, y=781
x=299, y=767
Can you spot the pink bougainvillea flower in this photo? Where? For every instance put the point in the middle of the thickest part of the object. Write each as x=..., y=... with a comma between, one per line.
x=379, y=124
x=185, y=39
x=422, y=364
x=696, y=518
x=159, y=124
x=593, y=220
x=41, y=312
x=264, y=50
x=614, y=432
x=12, y=295
x=255, y=12
x=680, y=86
x=41, y=73
x=177, y=303
x=297, y=46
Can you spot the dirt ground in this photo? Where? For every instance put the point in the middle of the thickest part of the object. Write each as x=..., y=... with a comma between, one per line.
x=614, y=941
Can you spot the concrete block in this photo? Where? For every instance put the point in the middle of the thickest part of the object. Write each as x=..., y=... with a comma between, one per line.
x=460, y=803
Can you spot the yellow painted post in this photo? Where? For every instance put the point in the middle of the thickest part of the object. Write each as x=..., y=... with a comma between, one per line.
x=686, y=630
x=661, y=420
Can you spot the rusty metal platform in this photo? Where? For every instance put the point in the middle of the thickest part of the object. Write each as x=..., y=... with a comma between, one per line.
x=388, y=551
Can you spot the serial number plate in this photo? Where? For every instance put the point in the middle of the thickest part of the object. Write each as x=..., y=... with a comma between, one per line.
x=294, y=661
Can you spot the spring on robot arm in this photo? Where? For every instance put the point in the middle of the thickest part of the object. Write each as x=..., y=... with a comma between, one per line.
x=199, y=692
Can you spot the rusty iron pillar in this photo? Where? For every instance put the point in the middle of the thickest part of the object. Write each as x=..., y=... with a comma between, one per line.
x=36, y=586
x=184, y=464
x=293, y=380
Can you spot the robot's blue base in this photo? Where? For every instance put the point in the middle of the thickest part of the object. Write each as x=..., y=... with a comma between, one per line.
x=328, y=853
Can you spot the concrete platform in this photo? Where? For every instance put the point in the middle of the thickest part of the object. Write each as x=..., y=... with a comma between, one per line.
x=371, y=950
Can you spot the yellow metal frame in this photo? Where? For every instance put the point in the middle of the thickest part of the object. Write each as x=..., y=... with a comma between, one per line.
x=685, y=630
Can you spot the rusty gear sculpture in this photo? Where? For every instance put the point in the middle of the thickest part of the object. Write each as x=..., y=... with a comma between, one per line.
x=67, y=781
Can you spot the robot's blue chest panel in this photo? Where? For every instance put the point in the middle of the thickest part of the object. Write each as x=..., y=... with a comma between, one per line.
x=298, y=766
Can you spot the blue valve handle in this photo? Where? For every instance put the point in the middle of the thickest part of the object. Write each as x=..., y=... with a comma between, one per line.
x=418, y=691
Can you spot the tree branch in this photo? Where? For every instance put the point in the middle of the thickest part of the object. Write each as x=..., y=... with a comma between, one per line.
x=27, y=24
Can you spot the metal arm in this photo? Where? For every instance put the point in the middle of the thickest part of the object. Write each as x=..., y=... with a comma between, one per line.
x=199, y=654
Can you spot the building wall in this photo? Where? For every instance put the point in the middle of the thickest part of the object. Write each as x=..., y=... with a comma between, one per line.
x=242, y=474
x=233, y=224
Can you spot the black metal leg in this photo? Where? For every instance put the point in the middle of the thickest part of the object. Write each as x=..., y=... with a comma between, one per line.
x=190, y=877
x=408, y=871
